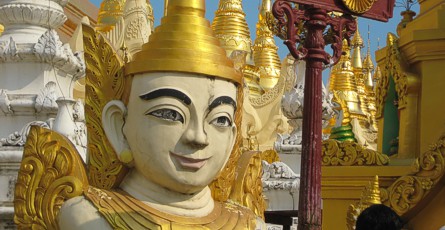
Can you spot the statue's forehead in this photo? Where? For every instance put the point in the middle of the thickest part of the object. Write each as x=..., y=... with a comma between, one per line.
x=188, y=83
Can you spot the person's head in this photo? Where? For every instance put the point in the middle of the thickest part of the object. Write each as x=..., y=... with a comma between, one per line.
x=178, y=119
x=378, y=217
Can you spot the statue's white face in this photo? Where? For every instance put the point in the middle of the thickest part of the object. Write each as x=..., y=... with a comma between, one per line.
x=180, y=128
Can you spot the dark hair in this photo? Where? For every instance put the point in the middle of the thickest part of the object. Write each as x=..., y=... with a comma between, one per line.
x=378, y=217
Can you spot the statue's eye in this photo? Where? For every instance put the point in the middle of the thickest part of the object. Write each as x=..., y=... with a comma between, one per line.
x=167, y=114
x=221, y=121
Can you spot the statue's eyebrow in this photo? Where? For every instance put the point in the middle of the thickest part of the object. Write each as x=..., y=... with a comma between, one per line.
x=222, y=100
x=167, y=92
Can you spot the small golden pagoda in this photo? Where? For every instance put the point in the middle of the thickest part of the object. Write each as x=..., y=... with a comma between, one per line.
x=232, y=30
x=109, y=14
x=343, y=84
x=368, y=67
x=265, y=50
x=357, y=64
x=352, y=84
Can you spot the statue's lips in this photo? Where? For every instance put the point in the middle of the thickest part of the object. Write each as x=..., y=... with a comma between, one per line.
x=190, y=163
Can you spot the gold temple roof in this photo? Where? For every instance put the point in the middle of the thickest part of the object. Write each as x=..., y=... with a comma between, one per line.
x=231, y=28
x=109, y=13
x=265, y=50
x=342, y=76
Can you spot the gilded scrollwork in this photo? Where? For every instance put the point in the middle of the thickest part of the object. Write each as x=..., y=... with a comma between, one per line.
x=347, y=153
x=405, y=82
x=248, y=187
x=407, y=191
x=51, y=172
x=104, y=82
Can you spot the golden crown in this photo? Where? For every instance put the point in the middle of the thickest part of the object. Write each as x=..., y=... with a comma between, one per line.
x=184, y=42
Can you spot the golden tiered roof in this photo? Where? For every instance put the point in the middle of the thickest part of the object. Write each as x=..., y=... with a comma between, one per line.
x=231, y=28
x=342, y=77
x=265, y=50
x=109, y=13
x=343, y=82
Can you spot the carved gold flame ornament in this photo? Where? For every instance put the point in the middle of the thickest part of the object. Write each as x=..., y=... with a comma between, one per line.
x=359, y=6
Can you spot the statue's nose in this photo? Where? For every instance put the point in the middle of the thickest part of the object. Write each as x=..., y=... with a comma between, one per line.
x=196, y=136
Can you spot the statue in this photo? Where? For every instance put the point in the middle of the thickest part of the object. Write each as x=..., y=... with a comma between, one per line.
x=161, y=128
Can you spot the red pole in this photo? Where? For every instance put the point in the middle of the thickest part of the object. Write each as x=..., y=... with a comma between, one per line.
x=315, y=21
x=309, y=210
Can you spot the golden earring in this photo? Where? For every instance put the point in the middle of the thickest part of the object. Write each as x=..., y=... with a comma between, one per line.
x=126, y=156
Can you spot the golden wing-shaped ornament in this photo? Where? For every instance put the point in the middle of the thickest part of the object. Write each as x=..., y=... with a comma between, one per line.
x=51, y=172
x=104, y=82
x=248, y=187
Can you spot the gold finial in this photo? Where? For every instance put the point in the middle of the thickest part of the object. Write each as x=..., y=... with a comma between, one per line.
x=357, y=44
x=184, y=42
x=109, y=13
x=165, y=7
x=265, y=50
x=231, y=28
x=371, y=194
x=367, y=62
x=357, y=40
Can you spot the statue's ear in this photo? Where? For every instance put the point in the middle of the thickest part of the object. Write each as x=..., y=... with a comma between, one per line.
x=113, y=120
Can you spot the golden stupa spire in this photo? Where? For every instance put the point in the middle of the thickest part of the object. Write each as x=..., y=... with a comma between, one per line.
x=368, y=66
x=265, y=50
x=109, y=14
x=343, y=82
x=184, y=42
x=165, y=7
x=231, y=28
x=357, y=44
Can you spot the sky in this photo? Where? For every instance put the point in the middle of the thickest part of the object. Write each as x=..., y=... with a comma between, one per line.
x=378, y=30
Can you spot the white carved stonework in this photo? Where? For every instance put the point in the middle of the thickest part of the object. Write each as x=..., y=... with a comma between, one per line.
x=46, y=100
x=50, y=49
x=278, y=175
x=292, y=107
x=71, y=124
x=36, y=68
x=328, y=111
x=26, y=20
x=274, y=227
x=19, y=138
x=281, y=186
x=10, y=158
